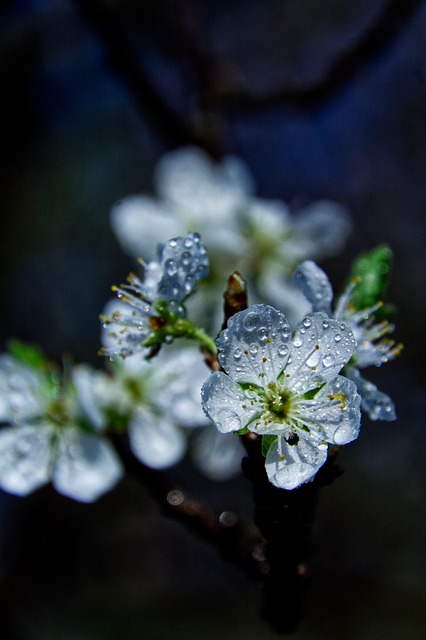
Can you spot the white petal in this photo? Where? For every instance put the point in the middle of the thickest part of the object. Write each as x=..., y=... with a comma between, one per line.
x=255, y=346
x=23, y=389
x=315, y=285
x=175, y=385
x=225, y=403
x=24, y=458
x=299, y=463
x=199, y=189
x=87, y=381
x=377, y=404
x=86, y=467
x=184, y=261
x=325, y=227
x=140, y=224
x=217, y=455
x=320, y=348
x=335, y=411
x=155, y=441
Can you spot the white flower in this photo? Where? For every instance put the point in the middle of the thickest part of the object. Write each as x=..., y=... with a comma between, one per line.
x=160, y=400
x=288, y=387
x=52, y=434
x=372, y=347
x=259, y=238
x=182, y=261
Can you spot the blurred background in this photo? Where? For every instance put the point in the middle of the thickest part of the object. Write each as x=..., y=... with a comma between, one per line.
x=322, y=99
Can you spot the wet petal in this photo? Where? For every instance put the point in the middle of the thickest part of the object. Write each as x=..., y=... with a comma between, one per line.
x=184, y=261
x=140, y=224
x=226, y=404
x=86, y=467
x=320, y=348
x=315, y=285
x=155, y=441
x=297, y=464
x=217, y=455
x=334, y=413
x=86, y=380
x=377, y=404
x=255, y=346
x=24, y=458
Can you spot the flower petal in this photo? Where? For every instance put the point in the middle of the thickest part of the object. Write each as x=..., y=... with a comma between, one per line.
x=315, y=286
x=336, y=411
x=140, y=224
x=217, y=455
x=320, y=348
x=155, y=441
x=184, y=261
x=255, y=346
x=226, y=404
x=377, y=404
x=24, y=458
x=86, y=467
x=175, y=385
x=296, y=464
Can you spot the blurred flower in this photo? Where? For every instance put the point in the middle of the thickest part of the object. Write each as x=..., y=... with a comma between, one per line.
x=154, y=305
x=372, y=347
x=53, y=433
x=259, y=238
x=285, y=388
x=158, y=400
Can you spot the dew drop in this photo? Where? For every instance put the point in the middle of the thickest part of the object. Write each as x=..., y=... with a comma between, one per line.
x=262, y=334
x=229, y=419
x=307, y=322
x=325, y=324
x=251, y=321
x=328, y=360
x=253, y=349
x=186, y=258
x=172, y=243
x=237, y=354
x=298, y=341
x=188, y=243
x=337, y=337
x=283, y=350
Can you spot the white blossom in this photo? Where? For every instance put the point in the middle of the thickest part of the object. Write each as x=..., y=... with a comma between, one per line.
x=262, y=239
x=287, y=386
x=160, y=400
x=373, y=348
x=170, y=279
x=52, y=433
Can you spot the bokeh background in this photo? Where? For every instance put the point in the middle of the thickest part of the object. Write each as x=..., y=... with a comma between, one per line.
x=322, y=99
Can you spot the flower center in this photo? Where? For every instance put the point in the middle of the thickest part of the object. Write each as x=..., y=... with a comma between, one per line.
x=278, y=402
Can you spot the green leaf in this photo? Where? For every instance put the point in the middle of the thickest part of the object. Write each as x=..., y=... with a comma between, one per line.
x=371, y=271
x=266, y=444
x=26, y=353
x=242, y=432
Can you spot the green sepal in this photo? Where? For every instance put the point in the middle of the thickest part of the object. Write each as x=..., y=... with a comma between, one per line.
x=28, y=354
x=242, y=432
x=266, y=444
x=312, y=393
x=371, y=271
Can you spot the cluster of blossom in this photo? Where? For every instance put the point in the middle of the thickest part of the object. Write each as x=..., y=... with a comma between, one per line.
x=262, y=239
x=297, y=385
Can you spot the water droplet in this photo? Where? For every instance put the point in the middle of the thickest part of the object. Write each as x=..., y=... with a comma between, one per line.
x=186, y=258
x=251, y=321
x=237, y=354
x=307, y=322
x=325, y=324
x=337, y=337
x=328, y=360
x=283, y=350
x=298, y=341
x=188, y=243
x=286, y=333
x=262, y=334
x=229, y=419
x=253, y=349
x=172, y=243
